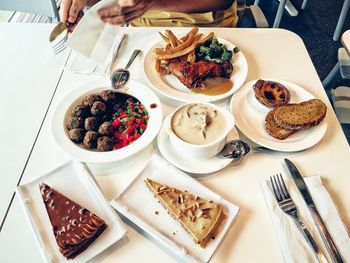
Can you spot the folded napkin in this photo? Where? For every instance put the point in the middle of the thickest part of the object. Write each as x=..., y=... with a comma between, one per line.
x=94, y=42
x=292, y=242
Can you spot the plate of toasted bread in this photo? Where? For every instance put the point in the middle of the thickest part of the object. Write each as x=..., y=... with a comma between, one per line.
x=195, y=66
x=279, y=115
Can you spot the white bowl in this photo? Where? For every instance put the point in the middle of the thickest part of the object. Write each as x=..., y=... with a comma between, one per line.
x=133, y=88
x=200, y=151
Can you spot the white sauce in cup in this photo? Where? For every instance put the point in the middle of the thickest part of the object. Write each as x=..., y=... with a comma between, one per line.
x=198, y=124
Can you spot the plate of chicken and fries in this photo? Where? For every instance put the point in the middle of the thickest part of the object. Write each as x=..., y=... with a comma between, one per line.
x=195, y=66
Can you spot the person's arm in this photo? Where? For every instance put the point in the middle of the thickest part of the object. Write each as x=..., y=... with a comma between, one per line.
x=128, y=10
x=70, y=9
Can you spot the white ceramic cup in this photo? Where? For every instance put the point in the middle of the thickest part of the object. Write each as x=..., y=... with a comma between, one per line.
x=200, y=151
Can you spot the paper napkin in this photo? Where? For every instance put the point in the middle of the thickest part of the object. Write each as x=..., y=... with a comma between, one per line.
x=94, y=42
x=292, y=243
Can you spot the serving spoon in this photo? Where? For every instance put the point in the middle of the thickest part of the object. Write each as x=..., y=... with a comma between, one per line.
x=121, y=76
x=236, y=149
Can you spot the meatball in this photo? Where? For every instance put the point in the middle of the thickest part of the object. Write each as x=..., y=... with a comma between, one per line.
x=75, y=123
x=91, y=124
x=76, y=135
x=108, y=96
x=104, y=144
x=105, y=128
x=80, y=111
x=90, y=139
x=90, y=99
x=98, y=108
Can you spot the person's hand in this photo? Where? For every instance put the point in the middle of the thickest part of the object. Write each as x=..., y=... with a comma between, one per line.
x=70, y=10
x=126, y=11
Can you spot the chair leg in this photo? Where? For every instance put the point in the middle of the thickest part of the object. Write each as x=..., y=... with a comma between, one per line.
x=279, y=13
x=303, y=5
x=331, y=76
x=342, y=16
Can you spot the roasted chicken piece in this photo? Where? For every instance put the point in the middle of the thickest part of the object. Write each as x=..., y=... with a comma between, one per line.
x=192, y=74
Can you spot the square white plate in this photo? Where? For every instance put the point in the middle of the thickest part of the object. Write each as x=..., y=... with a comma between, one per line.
x=74, y=180
x=139, y=206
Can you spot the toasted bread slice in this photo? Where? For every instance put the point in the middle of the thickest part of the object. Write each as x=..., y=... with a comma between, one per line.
x=273, y=129
x=198, y=216
x=271, y=94
x=300, y=116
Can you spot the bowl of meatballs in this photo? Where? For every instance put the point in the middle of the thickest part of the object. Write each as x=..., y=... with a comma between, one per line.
x=98, y=124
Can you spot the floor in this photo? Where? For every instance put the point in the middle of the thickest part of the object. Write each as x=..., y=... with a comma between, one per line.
x=315, y=25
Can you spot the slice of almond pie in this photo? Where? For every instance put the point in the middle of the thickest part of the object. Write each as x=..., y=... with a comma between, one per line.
x=74, y=227
x=198, y=216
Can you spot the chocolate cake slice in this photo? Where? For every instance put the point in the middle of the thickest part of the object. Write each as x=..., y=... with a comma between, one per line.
x=74, y=227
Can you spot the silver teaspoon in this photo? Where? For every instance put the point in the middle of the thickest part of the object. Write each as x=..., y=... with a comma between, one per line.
x=121, y=76
x=236, y=149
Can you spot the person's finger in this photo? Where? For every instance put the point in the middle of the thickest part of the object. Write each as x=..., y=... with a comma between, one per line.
x=120, y=11
x=76, y=6
x=123, y=19
x=71, y=27
x=116, y=11
x=109, y=11
x=128, y=3
x=64, y=10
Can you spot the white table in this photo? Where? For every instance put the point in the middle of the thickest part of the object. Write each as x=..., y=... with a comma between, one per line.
x=271, y=53
x=27, y=88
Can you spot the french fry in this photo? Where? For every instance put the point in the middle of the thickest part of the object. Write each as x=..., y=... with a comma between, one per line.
x=186, y=50
x=193, y=31
x=172, y=38
x=166, y=39
x=167, y=47
x=182, y=46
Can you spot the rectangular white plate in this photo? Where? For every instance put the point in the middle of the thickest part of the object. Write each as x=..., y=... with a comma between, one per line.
x=139, y=206
x=74, y=180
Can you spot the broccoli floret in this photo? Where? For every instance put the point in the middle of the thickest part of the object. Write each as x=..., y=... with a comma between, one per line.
x=203, y=50
x=214, y=51
x=226, y=56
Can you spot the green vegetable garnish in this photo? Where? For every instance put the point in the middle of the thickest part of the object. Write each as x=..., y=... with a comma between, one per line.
x=212, y=50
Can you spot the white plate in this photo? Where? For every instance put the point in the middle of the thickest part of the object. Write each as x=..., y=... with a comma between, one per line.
x=195, y=166
x=172, y=88
x=134, y=88
x=250, y=119
x=67, y=179
x=139, y=205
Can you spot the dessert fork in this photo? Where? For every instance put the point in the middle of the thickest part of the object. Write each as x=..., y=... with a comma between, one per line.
x=288, y=206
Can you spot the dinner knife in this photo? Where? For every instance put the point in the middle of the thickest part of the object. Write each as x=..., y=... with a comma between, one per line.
x=326, y=237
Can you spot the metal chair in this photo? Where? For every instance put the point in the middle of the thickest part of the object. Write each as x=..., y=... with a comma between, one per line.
x=250, y=16
x=41, y=7
x=279, y=13
x=341, y=19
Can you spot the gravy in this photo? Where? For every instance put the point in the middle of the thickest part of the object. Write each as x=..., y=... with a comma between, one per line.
x=214, y=86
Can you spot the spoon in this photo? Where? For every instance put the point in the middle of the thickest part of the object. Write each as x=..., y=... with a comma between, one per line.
x=236, y=149
x=120, y=76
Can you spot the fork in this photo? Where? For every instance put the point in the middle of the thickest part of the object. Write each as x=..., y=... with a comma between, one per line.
x=59, y=33
x=288, y=206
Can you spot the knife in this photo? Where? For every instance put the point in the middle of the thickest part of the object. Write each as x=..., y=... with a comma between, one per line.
x=326, y=237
